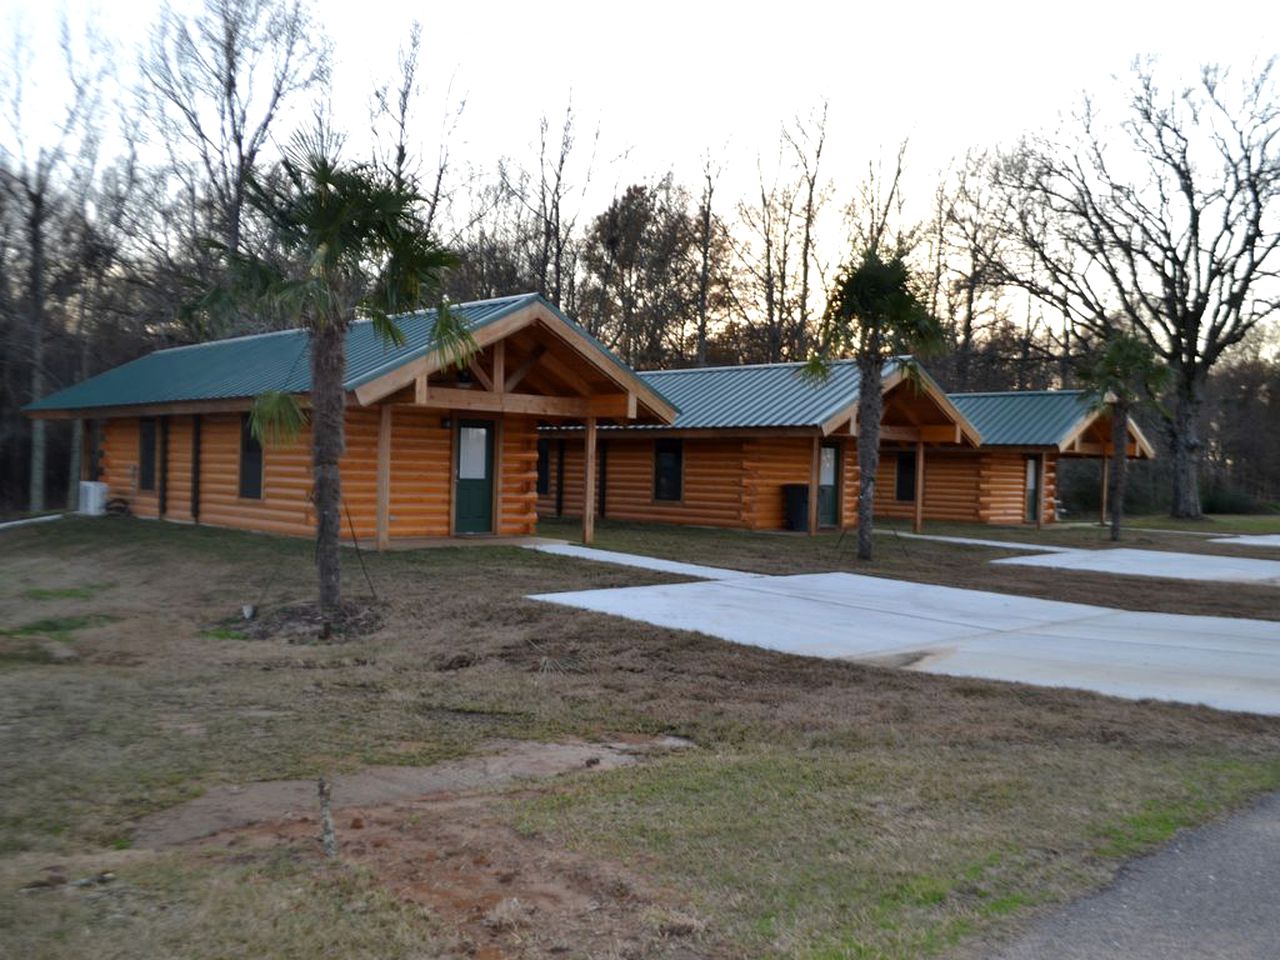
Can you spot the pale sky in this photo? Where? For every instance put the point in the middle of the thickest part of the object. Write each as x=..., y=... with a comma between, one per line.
x=666, y=82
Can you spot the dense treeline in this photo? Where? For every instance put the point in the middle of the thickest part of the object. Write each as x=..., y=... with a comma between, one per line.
x=111, y=230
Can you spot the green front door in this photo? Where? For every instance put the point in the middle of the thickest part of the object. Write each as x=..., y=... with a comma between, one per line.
x=473, y=498
x=828, y=486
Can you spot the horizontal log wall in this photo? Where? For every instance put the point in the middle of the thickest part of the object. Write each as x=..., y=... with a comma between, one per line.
x=710, y=489
x=120, y=467
x=285, y=506
x=951, y=484
x=1002, y=493
x=518, y=510
x=178, y=486
x=421, y=460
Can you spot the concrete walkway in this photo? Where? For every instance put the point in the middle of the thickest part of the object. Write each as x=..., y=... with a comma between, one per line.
x=695, y=570
x=1158, y=563
x=30, y=520
x=1232, y=664
x=1253, y=540
x=1211, y=893
x=975, y=542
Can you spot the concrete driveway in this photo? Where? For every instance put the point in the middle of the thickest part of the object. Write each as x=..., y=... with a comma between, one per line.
x=1228, y=663
x=1158, y=563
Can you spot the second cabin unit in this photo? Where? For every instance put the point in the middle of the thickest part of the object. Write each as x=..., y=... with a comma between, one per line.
x=759, y=448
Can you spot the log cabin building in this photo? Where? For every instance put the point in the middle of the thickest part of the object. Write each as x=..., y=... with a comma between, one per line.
x=545, y=421
x=431, y=451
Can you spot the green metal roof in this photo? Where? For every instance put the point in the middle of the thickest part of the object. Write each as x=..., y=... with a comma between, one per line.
x=762, y=395
x=1024, y=418
x=247, y=366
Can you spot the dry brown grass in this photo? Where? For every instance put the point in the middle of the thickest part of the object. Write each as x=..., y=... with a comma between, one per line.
x=830, y=809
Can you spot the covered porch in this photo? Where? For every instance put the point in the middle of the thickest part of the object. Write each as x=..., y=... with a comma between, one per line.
x=460, y=438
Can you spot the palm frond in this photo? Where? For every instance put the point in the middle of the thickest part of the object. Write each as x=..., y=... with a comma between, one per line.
x=276, y=417
x=816, y=370
x=454, y=343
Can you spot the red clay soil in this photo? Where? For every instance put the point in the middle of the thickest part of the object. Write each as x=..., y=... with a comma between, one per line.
x=500, y=894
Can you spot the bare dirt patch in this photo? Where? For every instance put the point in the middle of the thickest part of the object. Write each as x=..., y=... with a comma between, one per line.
x=305, y=623
x=231, y=806
x=501, y=893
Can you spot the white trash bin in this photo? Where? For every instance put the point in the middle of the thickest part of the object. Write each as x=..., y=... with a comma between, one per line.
x=93, y=498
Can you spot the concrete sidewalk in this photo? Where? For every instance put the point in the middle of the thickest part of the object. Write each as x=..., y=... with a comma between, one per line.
x=1158, y=563
x=695, y=570
x=1211, y=893
x=1252, y=540
x=1232, y=664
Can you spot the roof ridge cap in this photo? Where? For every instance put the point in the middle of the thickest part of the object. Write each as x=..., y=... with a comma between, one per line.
x=741, y=366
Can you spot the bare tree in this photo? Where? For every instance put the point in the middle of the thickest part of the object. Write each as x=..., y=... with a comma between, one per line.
x=41, y=161
x=394, y=118
x=1167, y=223
x=807, y=138
x=707, y=227
x=215, y=83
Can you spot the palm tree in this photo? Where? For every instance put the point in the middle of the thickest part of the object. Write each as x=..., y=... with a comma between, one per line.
x=874, y=314
x=345, y=243
x=1121, y=375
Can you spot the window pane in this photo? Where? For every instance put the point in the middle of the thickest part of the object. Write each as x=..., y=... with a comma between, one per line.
x=544, y=466
x=668, y=456
x=146, y=454
x=906, y=479
x=827, y=468
x=250, y=463
x=472, y=443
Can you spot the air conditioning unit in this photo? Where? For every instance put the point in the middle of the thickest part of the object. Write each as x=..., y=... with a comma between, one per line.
x=93, y=498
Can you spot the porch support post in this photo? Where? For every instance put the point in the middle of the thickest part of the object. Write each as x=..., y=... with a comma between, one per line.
x=500, y=366
x=917, y=522
x=559, y=478
x=589, y=484
x=815, y=463
x=1106, y=480
x=384, y=477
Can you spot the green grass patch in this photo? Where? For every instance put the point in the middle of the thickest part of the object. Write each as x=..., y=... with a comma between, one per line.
x=85, y=592
x=224, y=633
x=1223, y=523
x=1216, y=785
x=58, y=628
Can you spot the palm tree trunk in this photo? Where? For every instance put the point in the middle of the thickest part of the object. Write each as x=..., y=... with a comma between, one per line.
x=1119, y=463
x=328, y=442
x=870, y=410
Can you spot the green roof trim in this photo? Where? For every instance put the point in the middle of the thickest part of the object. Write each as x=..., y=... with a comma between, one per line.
x=756, y=396
x=247, y=366
x=1025, y=418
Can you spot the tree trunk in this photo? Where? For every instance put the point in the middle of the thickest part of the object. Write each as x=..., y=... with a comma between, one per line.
x=1184, y=437
x=704, y=271
x=1119, y=463
x=35, y=294
x=870, y=409
x=328, y=441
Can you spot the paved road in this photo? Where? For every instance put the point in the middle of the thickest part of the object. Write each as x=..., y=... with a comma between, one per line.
x=1212, y=894
x=1232, y=664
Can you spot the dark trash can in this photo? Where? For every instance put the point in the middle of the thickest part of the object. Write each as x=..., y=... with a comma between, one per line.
x=795, y=506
